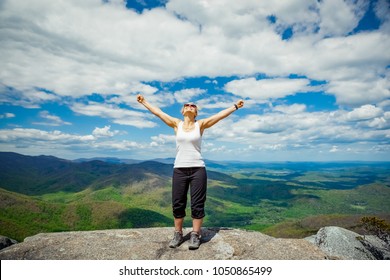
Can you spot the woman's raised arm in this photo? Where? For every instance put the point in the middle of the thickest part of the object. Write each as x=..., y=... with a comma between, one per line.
x=170, y=121
x=210, y=121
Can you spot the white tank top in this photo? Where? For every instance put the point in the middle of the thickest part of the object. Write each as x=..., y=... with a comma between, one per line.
x=188, y=147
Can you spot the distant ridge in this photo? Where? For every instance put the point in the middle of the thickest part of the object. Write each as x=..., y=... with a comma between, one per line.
x=237, y=164
x=35, y=175
x=109, y=160
x=124, y=160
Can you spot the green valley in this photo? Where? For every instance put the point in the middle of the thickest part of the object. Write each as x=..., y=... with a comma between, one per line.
x=46, y=194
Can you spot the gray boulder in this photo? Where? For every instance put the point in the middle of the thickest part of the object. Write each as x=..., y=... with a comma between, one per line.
x=340, y=243
x=377, y=247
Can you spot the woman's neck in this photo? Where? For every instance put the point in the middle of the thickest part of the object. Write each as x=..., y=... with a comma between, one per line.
x=189, y=120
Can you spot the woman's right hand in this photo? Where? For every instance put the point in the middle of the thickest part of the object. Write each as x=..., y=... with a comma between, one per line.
x=140, y=98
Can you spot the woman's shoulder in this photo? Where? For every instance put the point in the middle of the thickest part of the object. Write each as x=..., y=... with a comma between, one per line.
x=200, y=122
x=177, y=121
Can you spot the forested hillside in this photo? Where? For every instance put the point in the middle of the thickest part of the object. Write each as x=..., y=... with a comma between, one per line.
x=46, y=194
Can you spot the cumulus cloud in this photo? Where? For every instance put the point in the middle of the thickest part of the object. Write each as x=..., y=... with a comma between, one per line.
x=25, y=97
x=51, y=142
x=382, y=11
x=265, y=89
x=51, y=120
x=365, y=112
x=334, y=149
x=30, y=136
x=221, y=102
x=162, y=139
x=339, y=17
x=114, y=113
x=186, y=95
x=136, y=88
x=289, y=128
x=360, y=92
x=104, y=132
x=109, y=48
x=292, y=109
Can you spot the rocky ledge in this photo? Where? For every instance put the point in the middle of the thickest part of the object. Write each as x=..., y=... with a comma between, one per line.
x=152, y=244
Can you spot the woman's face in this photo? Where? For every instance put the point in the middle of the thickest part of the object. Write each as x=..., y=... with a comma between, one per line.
x=190, y=107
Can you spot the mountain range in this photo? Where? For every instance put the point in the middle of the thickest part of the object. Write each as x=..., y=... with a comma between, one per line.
x=37, y=175
x=294, y=199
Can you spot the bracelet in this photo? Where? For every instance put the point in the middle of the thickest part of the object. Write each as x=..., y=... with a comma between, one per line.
x=235, y=105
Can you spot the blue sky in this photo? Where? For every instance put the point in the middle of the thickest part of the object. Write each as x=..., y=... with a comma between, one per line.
x=314, y=76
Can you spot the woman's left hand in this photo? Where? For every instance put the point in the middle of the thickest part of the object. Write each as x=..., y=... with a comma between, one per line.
x=240, y=104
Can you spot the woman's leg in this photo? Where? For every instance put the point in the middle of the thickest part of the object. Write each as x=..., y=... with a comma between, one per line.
x=179, y=224
x=197, y=225
x=179, y=201
x=198, y=198
x=180, y=185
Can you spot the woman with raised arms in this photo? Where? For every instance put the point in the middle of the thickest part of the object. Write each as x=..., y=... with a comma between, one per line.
x=189, y=171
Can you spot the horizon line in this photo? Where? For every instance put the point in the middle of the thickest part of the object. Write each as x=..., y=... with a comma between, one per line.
x=207, y=160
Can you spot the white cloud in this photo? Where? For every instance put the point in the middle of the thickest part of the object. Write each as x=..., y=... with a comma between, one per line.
x=356, y=92
x=380, y=123
x=123, y=145
x=152, y=94
x=26, y=97
x=291, y=109
x=186, y=95
x=334, y=149
x=35, y=141
x=221, y=102
x=75, y=48
x=382, y=11
x=162, y=139
x=365, y=112
x=105, y=46
x=51, y=120
x=295, y=129
x=339, y=17
x=32, y=136
x=140, y=88
x=104, y=132
x=115, y=113
x=265, y=89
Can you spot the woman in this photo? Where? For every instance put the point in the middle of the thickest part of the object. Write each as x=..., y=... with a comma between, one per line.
x=189, y=167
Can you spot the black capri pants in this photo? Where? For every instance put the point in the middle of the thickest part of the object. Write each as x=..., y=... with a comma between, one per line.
x=195, y=179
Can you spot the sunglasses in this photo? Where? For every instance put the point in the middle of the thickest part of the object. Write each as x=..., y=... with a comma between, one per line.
x=190, y=105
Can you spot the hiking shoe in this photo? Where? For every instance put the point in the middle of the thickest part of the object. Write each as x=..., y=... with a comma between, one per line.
x=177, y=239
x=194, y=241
